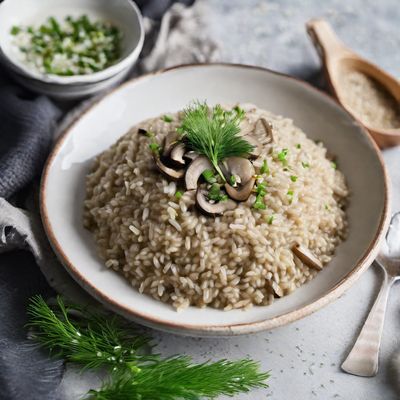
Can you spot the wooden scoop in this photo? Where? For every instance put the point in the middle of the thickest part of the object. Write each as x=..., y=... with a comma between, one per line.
x=337, y=60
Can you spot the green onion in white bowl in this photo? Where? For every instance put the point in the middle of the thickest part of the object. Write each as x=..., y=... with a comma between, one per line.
x=47, y=68
x=73, y=46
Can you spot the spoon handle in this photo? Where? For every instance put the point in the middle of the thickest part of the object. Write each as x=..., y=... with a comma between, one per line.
x=325, y=40
x=364, y=356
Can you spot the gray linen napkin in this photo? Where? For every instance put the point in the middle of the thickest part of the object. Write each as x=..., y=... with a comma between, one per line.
x=27, y=125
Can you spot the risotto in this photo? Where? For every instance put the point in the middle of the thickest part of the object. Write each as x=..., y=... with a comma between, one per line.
x=213, y=237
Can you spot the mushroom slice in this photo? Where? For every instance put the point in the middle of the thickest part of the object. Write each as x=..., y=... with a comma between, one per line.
x=177, y=153
x=256, y=152
x=169, y=141
x=307, y=256
x=191, y=155
x=239, y=166
x=169, y=172
x=264, y=128
x=242, y=192
x=213, y=208
x=195, y=169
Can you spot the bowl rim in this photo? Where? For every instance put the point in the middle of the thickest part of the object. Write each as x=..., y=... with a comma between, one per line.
x=95, y=77
x=224, y=329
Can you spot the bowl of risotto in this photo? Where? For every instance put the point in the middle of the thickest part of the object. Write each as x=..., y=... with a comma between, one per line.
x=238, y=200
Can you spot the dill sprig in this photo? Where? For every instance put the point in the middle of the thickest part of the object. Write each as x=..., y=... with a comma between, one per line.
x=87, y=338
x=95, y=340
x=214, y=133
x=177, y=378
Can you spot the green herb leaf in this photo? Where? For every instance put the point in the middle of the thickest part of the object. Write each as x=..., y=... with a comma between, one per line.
x=270, y=219
x=178, y=194
x=293, y=178
x=209, y=176
x=232, y=180
x=167, y=118
x=154, y=147
x=264, y=168
x=216, y=194
x=298, y=146
x=177, y=378
x=214, y=133
x=15, y=30
x=283, y=154
x=305, y=164
x=96, y=340
x=334, y=165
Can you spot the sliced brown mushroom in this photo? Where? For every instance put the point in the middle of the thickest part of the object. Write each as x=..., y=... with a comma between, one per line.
x=194, y=171
x=213, y=208
x=191, y=155
x=242, y=192
x=177, y=153
x=169, y=172
x=169, y=141
x=257, y=150
x=264, y=128
x=239, y=166
x=305, y=255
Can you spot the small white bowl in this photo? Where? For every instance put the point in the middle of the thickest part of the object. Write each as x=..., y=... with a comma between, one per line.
x=122, y=13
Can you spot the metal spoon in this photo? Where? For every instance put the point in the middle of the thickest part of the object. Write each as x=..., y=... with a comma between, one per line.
x=364, y=356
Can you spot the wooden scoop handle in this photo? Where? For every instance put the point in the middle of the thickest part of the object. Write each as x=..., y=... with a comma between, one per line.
x=325, y=41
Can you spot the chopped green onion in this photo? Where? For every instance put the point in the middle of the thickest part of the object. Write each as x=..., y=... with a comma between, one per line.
x=209, y=176
x=232, y=180
x=293, y=178
x=283, y=154
x=290, y=193
x=264, y=168
x=270, y=219
x=154, y=147
x=15, y=30
x=178, y=194
x=298, y=146
x=215, y=193
x=305, y=164
x=167, y=118
x=334, y=165
x=259, y=204
x=261, y=189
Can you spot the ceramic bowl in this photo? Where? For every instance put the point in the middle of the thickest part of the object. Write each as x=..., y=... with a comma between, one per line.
x=122, y=13
x=63, y=190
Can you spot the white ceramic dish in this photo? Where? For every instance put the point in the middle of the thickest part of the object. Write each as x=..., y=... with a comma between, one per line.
x=63, y=183
x=122, y=13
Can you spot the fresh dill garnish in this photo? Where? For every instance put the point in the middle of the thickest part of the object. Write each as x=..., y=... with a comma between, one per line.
x=264, y=168
x=214, y=133
x=209, y=176
x=167, y=118
x=293, y=178
x=94, y=340
x=177, y=378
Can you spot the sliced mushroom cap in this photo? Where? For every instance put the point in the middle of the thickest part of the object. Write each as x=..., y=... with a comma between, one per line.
x=240, y=193
x=257, y=150
x=305, y=255
x=191, y=155
x=195, y=169
x=264, y=128
x=239, y=166
x=169, y=172
x=169, y=141
x=177, y=153
x=213, y=208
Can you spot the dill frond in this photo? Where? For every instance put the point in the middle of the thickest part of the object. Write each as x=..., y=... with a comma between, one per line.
x=214, y=133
